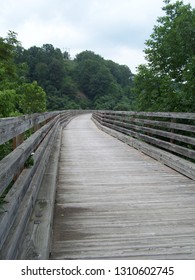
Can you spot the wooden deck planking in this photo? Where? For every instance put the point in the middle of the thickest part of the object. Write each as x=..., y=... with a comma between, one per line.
x=114, y=202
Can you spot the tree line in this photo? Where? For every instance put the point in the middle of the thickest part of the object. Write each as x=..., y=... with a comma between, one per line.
x=45, y=78
x=41, y=78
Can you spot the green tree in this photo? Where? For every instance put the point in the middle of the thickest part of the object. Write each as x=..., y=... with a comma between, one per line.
x=8, y=74
x=88, y=55
x=7, y=102
x=121, y=73
x=32, y=98
x=7, y=65
x=105, y=83
x=56, y=73
x=171, y=45
x=41, y=73
x=93, y=78
x=166, y=82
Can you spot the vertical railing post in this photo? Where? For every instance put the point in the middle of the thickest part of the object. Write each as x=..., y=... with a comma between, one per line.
x=36, y=127
x=18, y=140
x=173, y=120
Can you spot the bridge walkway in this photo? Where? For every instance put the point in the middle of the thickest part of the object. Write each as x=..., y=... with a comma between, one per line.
x=114, y=202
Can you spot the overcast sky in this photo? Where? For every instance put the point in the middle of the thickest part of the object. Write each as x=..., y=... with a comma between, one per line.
x=114, y=29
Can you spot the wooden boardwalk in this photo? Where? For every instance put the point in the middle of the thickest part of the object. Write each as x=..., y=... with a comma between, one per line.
x=114, y=202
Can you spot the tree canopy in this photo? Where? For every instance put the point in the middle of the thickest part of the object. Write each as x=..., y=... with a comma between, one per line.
x=166, y=82
x=78, y=83
x=17, y=96
x=44, y=78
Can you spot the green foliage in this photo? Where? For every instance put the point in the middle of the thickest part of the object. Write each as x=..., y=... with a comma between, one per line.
x=8, y=76
x=78, y=83
x=171, y=45
x=32, y=98
x=166, y=83
x=7, y=66
x=61, y=103
x=52, y=71
x=16, y=95
x=5, y=149
x=105, y=83
x=93, y=78
x=7, y=102
x=121, y=73
x=43, y=78
x=30, y=161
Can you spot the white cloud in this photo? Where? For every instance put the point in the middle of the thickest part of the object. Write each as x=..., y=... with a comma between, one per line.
x=54, y=32
x=114, y=29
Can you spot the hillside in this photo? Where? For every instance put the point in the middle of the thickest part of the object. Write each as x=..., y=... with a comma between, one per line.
x=86, y=82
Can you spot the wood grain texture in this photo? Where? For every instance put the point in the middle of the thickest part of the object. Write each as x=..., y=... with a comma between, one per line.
x=22, y=197
x=37, y=241
x=16, y=223
x=11, y=127
x=170, y=115
x=13, y=162
x=179, y=164
x=114, y=202
x=170, y=137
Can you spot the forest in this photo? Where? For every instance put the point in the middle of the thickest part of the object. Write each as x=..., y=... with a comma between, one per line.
x=44, y=78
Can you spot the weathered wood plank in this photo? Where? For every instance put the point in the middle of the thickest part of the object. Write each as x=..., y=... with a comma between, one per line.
x=15, y=196
x=13, y=242
x=114, y=202
x=181, y=165
x=37, y=243
x=166, y=134
x=175, y=141
x=170, y=115
x=21, y=199
x=163, y=124
x=160, y=143
x=11, y=127
x=12, y=163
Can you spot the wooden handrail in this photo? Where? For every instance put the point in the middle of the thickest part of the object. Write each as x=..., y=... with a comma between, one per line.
x=172, y=133
x=21, y=197
x=12, y=127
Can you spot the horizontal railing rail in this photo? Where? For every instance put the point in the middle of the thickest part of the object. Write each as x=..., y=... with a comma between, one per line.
x=20, y=182
x=169, y=132
x=12, y=127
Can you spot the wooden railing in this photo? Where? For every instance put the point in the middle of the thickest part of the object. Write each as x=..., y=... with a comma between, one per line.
x=167, y=137
x=20, y=181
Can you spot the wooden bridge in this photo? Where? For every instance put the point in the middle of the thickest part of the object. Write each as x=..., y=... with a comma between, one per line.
x=83, y=194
